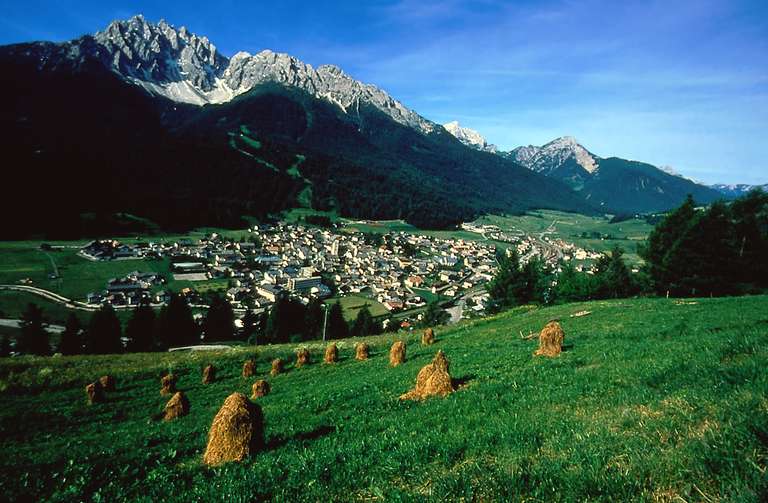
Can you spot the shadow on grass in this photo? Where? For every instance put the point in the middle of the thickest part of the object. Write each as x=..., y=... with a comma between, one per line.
x=462, y=382
x=319, y=432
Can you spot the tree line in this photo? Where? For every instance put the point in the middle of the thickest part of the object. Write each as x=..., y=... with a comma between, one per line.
x=713, y=251
x=174, y=325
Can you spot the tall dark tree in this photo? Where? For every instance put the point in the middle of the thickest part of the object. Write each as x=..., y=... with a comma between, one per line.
x=104, y=332
x=662, y=238
x=5, y=346
x=514, y=284
x=219, y=321
x=71, y=342
x=314, y=318
x=434, y=315
x=285, y=321
x=253, y=327
x=337, y=327
x=140, y=330
x=176, y=325
x=750, y=220
x=363, y=325
x=573, y=285
x=612, y=277
x=33, y=338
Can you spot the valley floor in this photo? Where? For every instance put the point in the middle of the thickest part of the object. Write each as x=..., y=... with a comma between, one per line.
x=654, y=400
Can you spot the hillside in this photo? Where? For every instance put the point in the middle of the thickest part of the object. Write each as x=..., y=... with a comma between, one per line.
x=655, y=400
x=94, y=141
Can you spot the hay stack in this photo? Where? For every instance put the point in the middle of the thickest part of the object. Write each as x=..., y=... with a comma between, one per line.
x=397, y=353
x=331, y=353
x=236, y=432
x=428, y=337
x=361, y=351
x=176, y=407
x=277, y=367
x=95, y=393
x=260, y=388
x=168, y=383
x=433, y=380
x=249, y=368
x=550, y=340
x=302, y=357
x=107, y=382
x=209, y=374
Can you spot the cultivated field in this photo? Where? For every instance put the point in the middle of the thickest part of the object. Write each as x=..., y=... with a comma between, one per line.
x=654, y=400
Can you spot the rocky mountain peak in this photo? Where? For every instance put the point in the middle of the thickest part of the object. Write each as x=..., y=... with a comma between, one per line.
x=184, y=67
x=469, y=137
x=555, y=154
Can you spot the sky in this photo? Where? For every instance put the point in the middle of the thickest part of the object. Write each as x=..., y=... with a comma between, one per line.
x=680, y=83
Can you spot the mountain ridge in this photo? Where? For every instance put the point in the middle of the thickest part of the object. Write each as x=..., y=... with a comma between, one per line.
x=93, y=141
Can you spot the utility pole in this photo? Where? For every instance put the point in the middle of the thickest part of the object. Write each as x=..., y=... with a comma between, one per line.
x=325, y=320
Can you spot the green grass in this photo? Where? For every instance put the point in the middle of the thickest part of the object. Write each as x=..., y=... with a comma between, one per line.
x=654, y=401
x=351, y=305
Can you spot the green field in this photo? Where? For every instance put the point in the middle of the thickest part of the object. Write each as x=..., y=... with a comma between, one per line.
x=654, y=400
x=570, y=226
x=351, y=305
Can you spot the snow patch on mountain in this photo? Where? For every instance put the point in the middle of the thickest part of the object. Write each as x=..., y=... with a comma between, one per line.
x=469, y=137
x=183, y=67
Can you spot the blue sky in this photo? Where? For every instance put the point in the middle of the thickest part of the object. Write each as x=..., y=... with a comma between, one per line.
x=679, y=83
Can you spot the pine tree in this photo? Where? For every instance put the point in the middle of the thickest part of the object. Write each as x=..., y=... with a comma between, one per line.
x=71, y=342
x=363, y=325
x=140, y=330
x=514, y=284
x=175, y=325
x=337, y=327
x=434, y=315
x=218, y=324
x=612, y=277
x=314, y=318
x=104, y=332
x=5, y=346
x=33, y=338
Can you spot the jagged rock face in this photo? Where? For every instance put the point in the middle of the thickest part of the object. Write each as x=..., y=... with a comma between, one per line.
x=554, y=155
x=469, y=137
x=161, y=54
x=179, y=65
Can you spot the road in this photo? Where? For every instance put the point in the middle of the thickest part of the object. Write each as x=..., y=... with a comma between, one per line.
x=54, y=329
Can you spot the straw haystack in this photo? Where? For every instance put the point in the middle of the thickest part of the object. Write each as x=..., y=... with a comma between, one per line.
x=260, y=388
x=397, y=353
x=302, y=357
x=433, y=380
x=237, y=431
x=107, y=382
x=428, y=337
x=277, y=367
x=249, y=368
x=361, y=351
x=95, y=393
x=209, y=374
x=168, y=383
x=331, y=353
x=176, y=407
x=550, y=340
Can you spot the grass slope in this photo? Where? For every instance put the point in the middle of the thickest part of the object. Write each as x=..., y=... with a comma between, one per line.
x=655, y=400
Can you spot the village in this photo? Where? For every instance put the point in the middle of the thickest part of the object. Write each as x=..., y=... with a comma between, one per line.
x=398, y=270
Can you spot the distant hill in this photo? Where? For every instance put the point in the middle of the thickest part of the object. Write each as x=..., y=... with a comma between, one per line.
x=611, y=184
x=152, y=120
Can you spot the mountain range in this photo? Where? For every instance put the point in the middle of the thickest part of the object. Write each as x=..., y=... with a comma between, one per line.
x=145, y=121
x=612, y=184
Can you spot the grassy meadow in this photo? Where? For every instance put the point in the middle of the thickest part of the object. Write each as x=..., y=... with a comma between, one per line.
x=654, y=400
